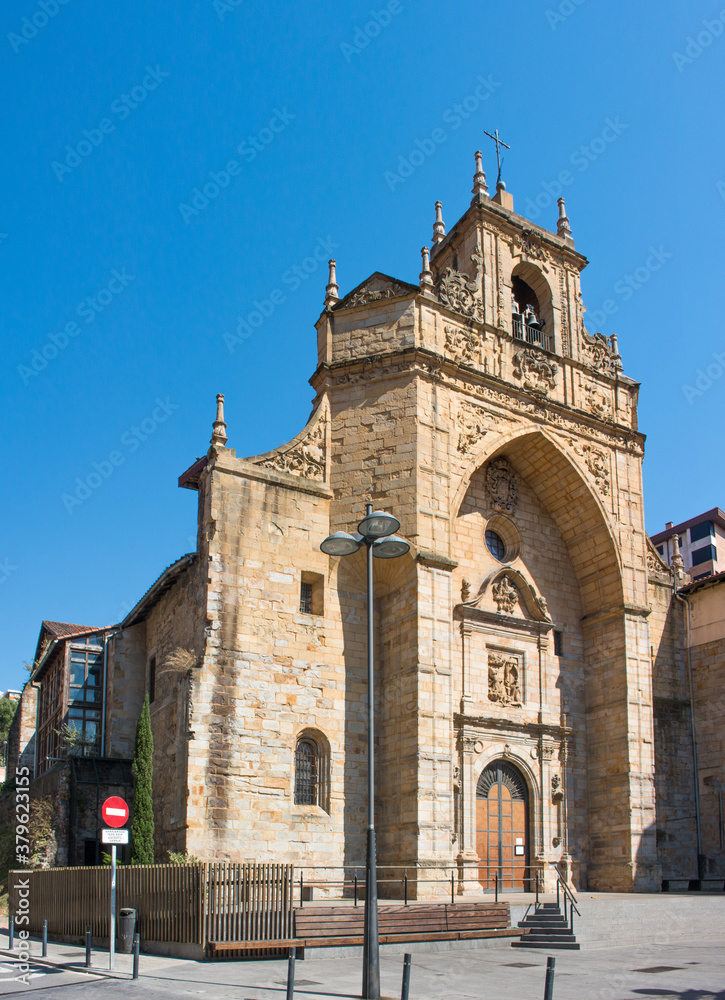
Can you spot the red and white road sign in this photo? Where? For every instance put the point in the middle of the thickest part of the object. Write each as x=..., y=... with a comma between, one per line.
x=114, y=811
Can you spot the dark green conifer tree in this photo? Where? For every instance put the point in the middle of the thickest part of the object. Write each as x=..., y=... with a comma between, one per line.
x=142, y=823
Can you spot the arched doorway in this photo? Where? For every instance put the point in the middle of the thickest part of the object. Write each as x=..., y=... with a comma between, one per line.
x=502, y=826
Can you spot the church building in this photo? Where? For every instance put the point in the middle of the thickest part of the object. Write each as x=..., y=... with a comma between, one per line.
x=531, y=688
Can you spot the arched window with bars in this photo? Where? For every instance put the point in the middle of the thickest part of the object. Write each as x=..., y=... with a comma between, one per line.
x=311, y=781
x=307, y=772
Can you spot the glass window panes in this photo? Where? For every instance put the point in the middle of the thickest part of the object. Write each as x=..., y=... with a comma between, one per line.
x=703, y=530
x=700, y=556
x=495, y=545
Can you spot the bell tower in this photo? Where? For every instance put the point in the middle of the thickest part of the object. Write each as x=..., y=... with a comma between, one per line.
x=475, y=405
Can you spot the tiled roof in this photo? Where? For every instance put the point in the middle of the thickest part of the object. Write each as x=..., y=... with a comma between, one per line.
x=60, y=629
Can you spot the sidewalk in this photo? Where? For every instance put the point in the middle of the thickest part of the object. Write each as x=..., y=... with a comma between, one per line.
x=687, y=970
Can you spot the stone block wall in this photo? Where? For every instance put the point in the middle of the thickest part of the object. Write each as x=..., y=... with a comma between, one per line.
x=126, y=688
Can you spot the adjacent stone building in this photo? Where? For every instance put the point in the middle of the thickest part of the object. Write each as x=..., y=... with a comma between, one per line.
x=532, y=678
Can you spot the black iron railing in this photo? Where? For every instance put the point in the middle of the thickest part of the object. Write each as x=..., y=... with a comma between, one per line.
x=531, y=334
x=401, y=882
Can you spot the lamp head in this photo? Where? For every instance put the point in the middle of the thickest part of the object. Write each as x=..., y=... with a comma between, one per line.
x=341, y=544
x=390, y=547
x=378, y=524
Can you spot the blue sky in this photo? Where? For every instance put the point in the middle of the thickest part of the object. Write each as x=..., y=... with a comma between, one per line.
x=115, y=114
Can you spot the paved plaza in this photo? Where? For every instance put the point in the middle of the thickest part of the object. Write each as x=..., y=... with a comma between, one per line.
x=693, y=970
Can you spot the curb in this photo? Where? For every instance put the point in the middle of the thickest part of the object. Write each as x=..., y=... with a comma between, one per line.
x=47, y=963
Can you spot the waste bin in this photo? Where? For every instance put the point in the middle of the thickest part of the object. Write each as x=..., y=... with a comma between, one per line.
x=126, y=927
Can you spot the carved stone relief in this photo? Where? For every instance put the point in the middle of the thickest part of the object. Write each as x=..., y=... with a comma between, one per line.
x=528, y=245
x=536, y=372
x=506, y=595
x=597, y=403
x=543, y=607
x=597, y=353
x=565, y=339
x=306, y=459
x=598, y=466
x=461, y=293
x=502, y=486
x=471, y=425
x=463, y=345
x=596, y=462
x=368, y=294
x=504, y=683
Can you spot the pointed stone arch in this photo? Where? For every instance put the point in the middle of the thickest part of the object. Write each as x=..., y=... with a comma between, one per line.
x=564, y=490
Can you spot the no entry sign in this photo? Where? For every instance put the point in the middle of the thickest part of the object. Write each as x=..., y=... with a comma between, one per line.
x=114, y=811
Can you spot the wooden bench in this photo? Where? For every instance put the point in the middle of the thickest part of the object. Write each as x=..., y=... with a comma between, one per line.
x=342, y=926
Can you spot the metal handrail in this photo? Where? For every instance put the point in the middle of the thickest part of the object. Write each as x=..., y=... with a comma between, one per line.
x=450, y=873
x=567, y=890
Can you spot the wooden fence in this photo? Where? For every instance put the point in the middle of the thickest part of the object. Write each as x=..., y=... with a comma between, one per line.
x=188, y=904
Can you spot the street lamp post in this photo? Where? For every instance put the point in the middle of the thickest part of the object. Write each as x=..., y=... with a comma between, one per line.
x=376, y=533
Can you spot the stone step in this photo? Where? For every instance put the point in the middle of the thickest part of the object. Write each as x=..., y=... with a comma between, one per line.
x=547, y=945
x=542, y=918
x=536, y=928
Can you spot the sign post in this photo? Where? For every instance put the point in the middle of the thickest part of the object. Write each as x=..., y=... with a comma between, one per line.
x=115, y=813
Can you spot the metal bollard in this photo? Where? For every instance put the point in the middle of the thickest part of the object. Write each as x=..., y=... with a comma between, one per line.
x=44, y=953
x=291, y=973
x=354, y=878
x=495, y=887
x=11, y=933
x=136, y=951
x=549, y=987
x=405, y=888
x=453, y=890
x=88, y=946
x=406, y=977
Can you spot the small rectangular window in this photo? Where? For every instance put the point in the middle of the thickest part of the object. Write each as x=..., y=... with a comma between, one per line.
x=306, y=598
x=558, y=643
x=311, y=593
x=152, y=678
x=661, y=549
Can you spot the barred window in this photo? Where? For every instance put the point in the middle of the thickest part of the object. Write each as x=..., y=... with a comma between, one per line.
x=307, y=761
x=306, y=598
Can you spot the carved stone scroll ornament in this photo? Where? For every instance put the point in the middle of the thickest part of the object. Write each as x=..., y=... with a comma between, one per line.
x=306, y=459
x=463, y=345
x=472, y=427
x=528, y=245
x=502, y=486
x=599, y=354
x=596, y=402
x=506, y=595
x=536, y=372
x=596, y=462
x=598, y=466
x=457, y=291
x=504, y=686
x=542, y=606
x=370, y=294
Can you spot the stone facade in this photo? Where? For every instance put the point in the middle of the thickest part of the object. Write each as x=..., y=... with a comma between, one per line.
x=432, y=402
x=531, y=632
x=706, y=625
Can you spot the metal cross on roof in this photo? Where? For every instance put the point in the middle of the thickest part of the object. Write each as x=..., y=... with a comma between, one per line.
x=499, y=143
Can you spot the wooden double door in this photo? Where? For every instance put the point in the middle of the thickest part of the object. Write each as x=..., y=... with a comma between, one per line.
x=502, y=822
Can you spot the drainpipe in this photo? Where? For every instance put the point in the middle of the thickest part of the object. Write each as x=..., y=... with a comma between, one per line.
x=700, y=855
